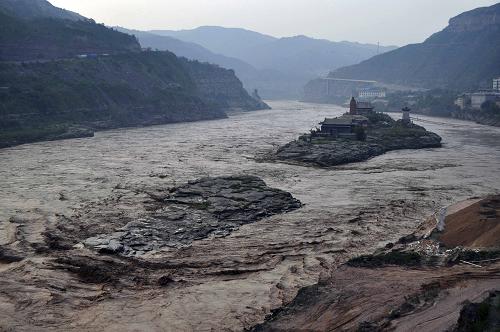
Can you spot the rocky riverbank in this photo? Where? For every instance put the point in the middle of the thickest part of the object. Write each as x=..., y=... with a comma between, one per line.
x=481, y=117
x=420, y=282
x=383, y=135
x=18, y=137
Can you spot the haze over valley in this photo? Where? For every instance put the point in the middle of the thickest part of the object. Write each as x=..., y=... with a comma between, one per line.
x=238, y=165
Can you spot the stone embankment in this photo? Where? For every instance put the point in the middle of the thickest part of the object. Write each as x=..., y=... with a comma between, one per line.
x=483, y=118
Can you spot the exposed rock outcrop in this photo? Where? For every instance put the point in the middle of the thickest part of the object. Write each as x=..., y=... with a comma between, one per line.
x=221, y=87
x=175, y=217
x=484, y=316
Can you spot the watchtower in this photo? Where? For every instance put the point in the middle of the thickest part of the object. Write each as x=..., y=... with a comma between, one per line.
x=406, y=114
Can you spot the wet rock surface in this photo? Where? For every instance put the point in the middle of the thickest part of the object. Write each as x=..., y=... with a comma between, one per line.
x=484, y=316
x=333, y=152
x=176, y=217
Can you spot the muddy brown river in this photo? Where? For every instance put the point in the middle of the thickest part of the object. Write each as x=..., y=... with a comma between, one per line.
x=347, y=210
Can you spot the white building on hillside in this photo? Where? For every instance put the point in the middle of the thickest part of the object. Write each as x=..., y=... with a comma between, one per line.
x=371, y=93
x=462, y=101
x=496, y=84
x=479, y=98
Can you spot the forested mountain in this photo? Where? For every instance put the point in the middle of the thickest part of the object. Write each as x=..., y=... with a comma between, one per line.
x=464, y=56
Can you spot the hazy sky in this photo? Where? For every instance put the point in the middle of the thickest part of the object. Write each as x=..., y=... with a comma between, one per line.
x=396, y=22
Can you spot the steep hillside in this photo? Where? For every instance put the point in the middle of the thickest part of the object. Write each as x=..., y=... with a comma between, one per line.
x=121, y=90
x=220, y=87
x=270, y=83
x=42, y=100
x=465, y=55
x=43, y=38
x=29, y=9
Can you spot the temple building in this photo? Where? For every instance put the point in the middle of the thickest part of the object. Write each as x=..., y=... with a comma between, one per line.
x=337, y=127
x=343, y=126
x=360, y=107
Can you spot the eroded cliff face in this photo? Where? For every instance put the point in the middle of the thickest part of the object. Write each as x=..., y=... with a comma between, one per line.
x=220, y=86
x=476, y=20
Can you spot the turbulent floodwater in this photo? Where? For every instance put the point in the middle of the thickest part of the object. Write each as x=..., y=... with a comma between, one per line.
x=34, y=177
x=347, y=210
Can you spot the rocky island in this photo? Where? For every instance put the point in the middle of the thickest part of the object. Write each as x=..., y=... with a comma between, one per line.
x=357, y=136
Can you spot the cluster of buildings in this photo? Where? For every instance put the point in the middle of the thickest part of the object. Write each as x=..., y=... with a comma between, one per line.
x=345, y=125
x=476, y=99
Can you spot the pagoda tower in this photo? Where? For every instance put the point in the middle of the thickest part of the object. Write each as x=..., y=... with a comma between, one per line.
x=353, y=107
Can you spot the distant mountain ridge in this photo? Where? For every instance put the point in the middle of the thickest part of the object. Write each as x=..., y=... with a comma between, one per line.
x=463, y=56
x=226, y=41
x=297, y=53
x=283, y=65
x=188, y=50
